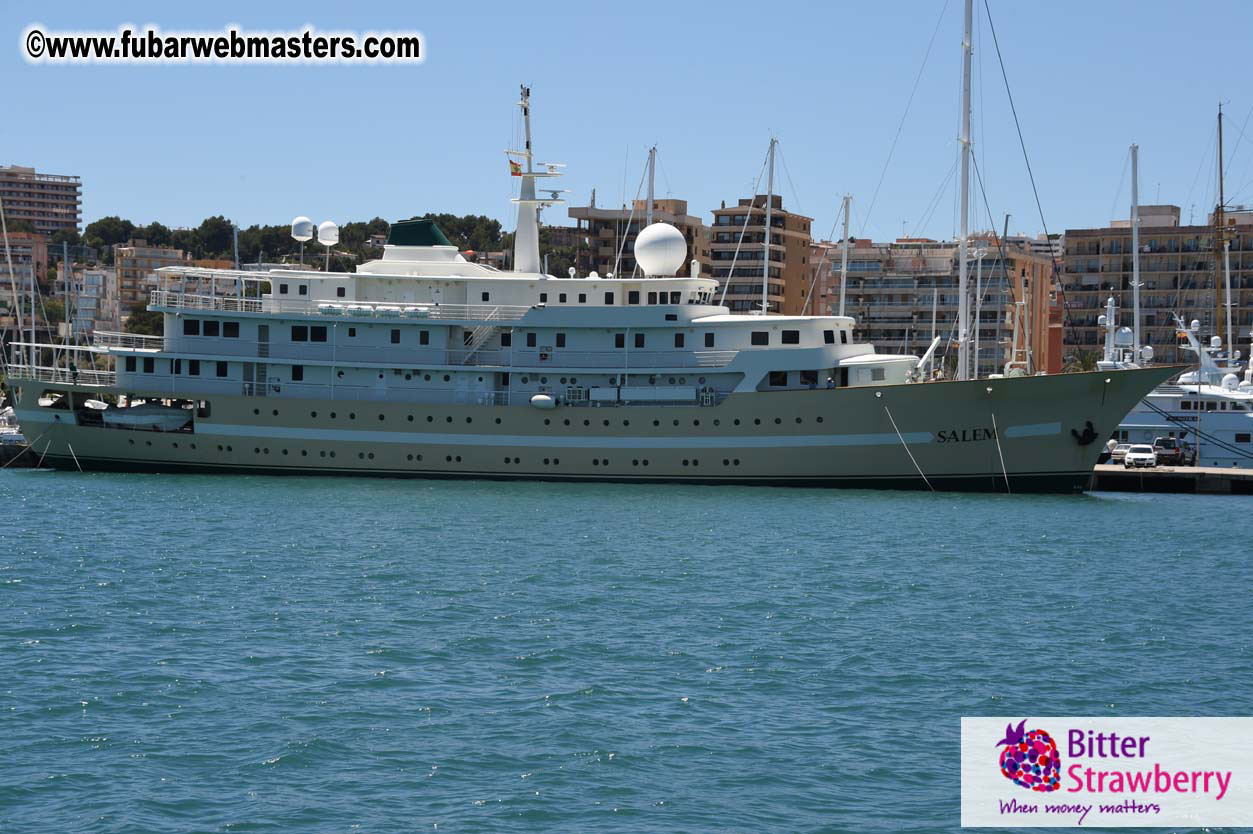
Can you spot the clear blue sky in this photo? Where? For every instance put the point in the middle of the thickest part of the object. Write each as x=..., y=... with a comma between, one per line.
x=707, y=82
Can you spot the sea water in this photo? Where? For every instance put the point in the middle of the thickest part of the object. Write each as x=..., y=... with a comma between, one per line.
x=255, y=654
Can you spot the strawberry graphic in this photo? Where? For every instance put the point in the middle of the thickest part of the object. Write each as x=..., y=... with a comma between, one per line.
x=1030, y=758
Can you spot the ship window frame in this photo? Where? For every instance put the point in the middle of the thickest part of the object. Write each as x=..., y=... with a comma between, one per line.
x=809, y=378
x=633, y=296
x=678, y=340
x=791, y=337
x=1244, y=437
x=639, y=341
x=130, y=364
x=303, y=289
x=223, y=369
x=230, y=330
x=191, y=327
x=619, y=341
x=532, y=339
x=652, y=297
x=424, y=337
x=316, y=331
x=844, y=337
x=506, y=339
x=759, y=338
x=297, y=373
x=150, y=365
x=609, y=297
x=486, y=296
x=561, y=340
x=709, y=340
x=193, y=367
x=300, y=333
x=676, y=297
x=773, y=377
x=543, y=298
x=395, y=335
x=352, y=333
x=828, y=337
x=582, y=298
x=282, y=289
x=341, y=292
x=210, y=325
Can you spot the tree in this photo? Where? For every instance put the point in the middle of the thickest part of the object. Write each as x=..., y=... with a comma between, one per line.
x=107, y=231
x=66, y=235
x=21, y=226
x=156, y=233
x=145, y=322
x=215, y=237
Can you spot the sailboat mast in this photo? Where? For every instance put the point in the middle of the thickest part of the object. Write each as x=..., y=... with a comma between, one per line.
x=1135, y=249
x=848, y=200
x=652, y=169
x=1220, y=234
x=765, y=265
x=963, y=307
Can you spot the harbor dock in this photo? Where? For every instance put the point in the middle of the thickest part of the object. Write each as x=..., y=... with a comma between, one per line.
x=1196, y=479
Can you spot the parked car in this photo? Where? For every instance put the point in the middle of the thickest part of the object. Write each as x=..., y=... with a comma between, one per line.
x=1140, y=455
x=1188, y=454
x=1169, y=451
x=1119, y=451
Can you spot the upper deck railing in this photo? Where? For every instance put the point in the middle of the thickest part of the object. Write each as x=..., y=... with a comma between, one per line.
x=109, y=338
x=355, y=309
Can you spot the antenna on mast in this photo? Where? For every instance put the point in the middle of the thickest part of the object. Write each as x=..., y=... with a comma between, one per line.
x=526, y=237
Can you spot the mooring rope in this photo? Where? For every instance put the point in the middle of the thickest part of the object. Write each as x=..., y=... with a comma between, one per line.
x=996, y=433
x=911, y=454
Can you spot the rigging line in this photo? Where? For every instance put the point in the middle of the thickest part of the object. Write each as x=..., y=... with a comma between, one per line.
x=904, y=116
x=911, y=454
x=1232, y=155
x=740, y=242
x=29, y=446
x=1126, y=162
x=823, y=259
x=630, y=217
x=795, y=194
x=1201, y=166
x=997, y=434
x=1061, y=289
x=934, y=203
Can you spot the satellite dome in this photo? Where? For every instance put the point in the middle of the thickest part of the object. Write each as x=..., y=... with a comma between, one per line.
x=660, y=249
x=328, y=233
x=1124, y=337
x=302, y=229
x=1230, y=381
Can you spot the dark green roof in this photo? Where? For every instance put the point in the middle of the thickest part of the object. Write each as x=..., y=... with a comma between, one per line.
x=416, y=232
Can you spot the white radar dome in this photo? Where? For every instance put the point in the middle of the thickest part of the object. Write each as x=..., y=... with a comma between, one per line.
x=660, y=249
x=328, y=233
x=302, y=229
x=1230, y=381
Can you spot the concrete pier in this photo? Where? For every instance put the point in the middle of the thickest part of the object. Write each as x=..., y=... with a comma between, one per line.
x=1197, y=479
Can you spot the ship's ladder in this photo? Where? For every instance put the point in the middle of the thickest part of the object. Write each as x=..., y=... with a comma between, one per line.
x=481, y=334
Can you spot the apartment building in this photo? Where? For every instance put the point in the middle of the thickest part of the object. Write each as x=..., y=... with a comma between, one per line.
x=738, y=254
x=94, y=300
x=905, y=292
x=30, y=260
x=135, y=261
x=48, y=201
x=604, y=238
x=1180, y=272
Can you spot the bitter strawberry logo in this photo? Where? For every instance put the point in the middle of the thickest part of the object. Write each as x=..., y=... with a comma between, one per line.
x=1030, y=758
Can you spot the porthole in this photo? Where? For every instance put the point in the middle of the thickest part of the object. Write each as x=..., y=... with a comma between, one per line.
x=380, y=418
x=685, y=461
x=447, y=378
x=419, y=457
x=676, y=422
x=284, y=451
x=656, y=422
x=683, y=380
x=798, y=421
x=322, y=453
x=256, y=450
x=430, y=419
x=545, y=461
x=457, y=459
x=547, y=422
x=410, y=418
x=256, y=411
x=447, y=458
x=556, y=461
x=230, y=448
x=275, y=412
x=695, y=462
x=587, y=422
x=360, y=455
x=370, y=456
x=563, y=380
x=646, y=461
x=726, y=462
x=626, y=422
x=174, y=445
x=480, y=379
x=606, y=422
x=408, y=377
x=701, y=380
x=352, y=415
x=304, y=453
x=332, y=453
x=778, y=420
x=736, y=461
x=266, y=450
x=818, y=419
x=595, y=461
x=525, y=380
x=426, y=378
x=566, y=421
x=756, y=421
x=717, y=422
x=448, y=419
x=469, y=419
x=132, y=442
x=543, y=380
x=696, y=422
x=219, y=446
x=498, y=421
x=635, y=462
x=672, y=380
x=408, y=457
x=332, y=415
x=737, y=421
x=313, y=414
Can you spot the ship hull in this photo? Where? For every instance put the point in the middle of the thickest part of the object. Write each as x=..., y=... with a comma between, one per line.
x=1024, y=434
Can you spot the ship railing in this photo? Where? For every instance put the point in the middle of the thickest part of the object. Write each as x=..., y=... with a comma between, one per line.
x=108, y=338
x=432, y=310
x=70, y=376
x=643, y=361
x=46, y=362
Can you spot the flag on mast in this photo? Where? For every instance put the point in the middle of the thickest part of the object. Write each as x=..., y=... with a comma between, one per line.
x=515, y=168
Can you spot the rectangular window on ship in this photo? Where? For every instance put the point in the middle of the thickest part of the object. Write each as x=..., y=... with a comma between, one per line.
x=130, y=364
x=299, y=333
x=317, y=333
x=191, y=327
x=230, y=329
x=222, y=368
x=211, y=328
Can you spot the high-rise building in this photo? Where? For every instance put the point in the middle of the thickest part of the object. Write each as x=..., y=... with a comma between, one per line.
x=604, y=238
x=135, y=262
x=1180, y=272
x=737, y=253
x=47, y=201
x=29, y=253
x=896, y=290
